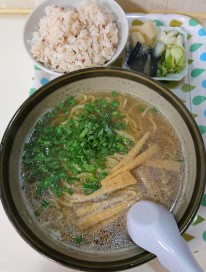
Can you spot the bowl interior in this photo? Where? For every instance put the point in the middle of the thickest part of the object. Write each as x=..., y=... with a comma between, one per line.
x=32, y=22
x=97, y=80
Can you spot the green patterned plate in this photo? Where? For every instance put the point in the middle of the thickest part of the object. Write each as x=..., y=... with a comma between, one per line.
x=191, y=90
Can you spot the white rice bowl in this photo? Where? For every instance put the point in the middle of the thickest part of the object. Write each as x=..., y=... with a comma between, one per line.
x=68, y=38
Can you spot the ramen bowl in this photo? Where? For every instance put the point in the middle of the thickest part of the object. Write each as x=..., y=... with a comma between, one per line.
x=97, y=80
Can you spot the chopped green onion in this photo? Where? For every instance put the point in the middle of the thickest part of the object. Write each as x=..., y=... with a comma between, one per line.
x=154, y=109
x=44, y=203
x=60, y=151
x=78, y=239
x=114, y=93
x=142, y=109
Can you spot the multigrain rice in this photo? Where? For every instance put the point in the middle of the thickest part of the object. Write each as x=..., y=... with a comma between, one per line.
x=75, y=38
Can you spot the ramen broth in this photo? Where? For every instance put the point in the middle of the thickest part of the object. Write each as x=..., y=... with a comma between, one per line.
x=90, y=158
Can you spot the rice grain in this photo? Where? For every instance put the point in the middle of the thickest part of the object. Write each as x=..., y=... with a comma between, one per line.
x=75, y=38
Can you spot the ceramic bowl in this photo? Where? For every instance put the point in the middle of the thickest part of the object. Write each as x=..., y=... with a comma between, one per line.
x=32, y=22
x=98, y=79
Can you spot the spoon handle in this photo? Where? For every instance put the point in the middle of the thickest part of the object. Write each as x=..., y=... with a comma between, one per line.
x=178, y=260
x=154, y=228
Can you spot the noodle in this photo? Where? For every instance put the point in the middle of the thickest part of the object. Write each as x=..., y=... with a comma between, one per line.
x=124, y=103
x=125, y=134
x=75, y=110
x=145, y=112
x=131, y=123
x=90, y=158
x=82, y=98
x=153, y=123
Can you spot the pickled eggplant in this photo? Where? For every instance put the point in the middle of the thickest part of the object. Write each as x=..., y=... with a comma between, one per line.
x=142, y=60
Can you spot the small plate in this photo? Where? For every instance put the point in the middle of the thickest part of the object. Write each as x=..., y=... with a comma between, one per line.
x=168, y=77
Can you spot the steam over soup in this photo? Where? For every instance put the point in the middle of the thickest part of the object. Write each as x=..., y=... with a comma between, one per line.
x=90, y=158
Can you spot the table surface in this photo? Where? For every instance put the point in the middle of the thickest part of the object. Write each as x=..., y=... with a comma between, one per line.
x=16, y=73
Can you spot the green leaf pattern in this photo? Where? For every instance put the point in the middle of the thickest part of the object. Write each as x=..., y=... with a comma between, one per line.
x=195, y=46
x=198, y=219
x=190, y=61
x=158, y=22
x=196, y=72
x=187, y=88
x=197, y=100
x=188, y=237
x=137, y=22
x=175, y=23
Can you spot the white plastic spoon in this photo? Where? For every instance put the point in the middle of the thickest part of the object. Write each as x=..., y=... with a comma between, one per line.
x=154, y=228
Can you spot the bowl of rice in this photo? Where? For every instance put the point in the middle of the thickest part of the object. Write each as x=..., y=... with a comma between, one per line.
x=62, y=36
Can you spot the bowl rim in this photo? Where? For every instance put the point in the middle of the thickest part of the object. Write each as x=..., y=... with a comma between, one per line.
x=45, y=3
x=6, y=197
